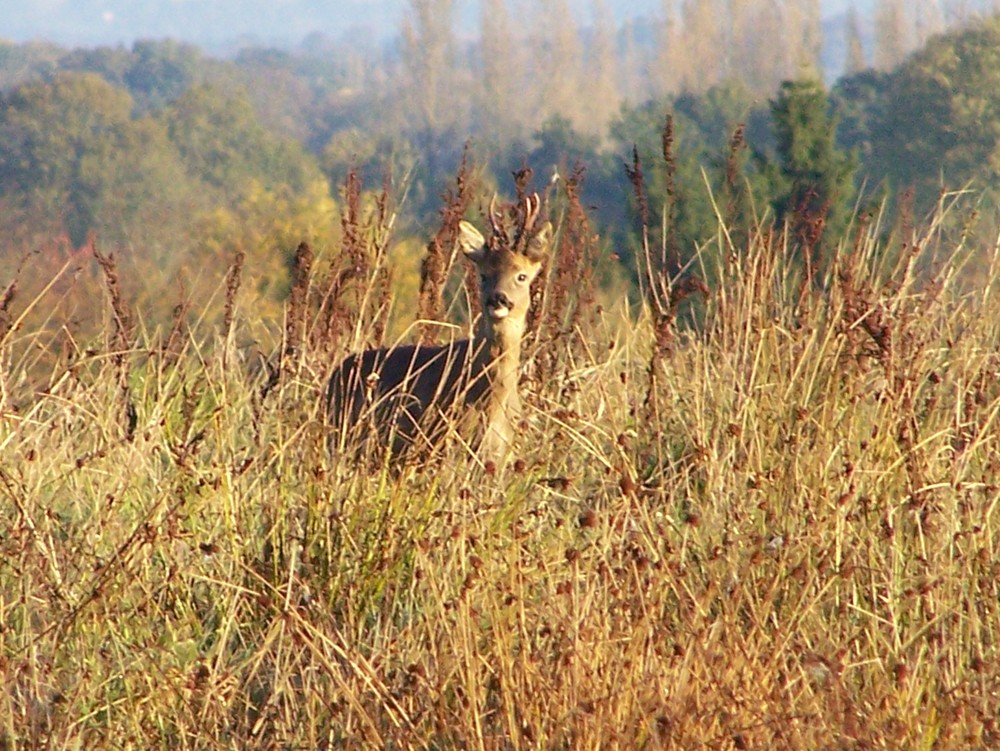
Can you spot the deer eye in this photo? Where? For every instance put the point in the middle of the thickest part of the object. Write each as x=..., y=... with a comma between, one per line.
x=522, y=277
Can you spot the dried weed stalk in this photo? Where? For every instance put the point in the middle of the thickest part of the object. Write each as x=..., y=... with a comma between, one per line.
x=662, y=289
x=6, y=317
x=234, y=278
x=173, y=346
x=382, y=277
x=120, y=338
x=296, y=315
x=6, y=328
x=356, y=287
x=437, y=262
x=334, y=316
x=570, y=288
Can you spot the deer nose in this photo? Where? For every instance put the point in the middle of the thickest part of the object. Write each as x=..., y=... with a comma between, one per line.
x=499, y=305
x=500, y=300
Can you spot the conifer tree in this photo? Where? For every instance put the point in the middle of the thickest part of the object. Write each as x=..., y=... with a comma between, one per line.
x=816, y=177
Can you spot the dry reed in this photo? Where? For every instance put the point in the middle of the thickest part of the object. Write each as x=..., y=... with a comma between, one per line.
x=797, y=552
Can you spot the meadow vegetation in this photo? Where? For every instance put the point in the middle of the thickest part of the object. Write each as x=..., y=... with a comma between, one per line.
x=756, y=508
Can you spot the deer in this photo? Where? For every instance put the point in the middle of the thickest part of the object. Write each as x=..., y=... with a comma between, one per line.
x=410, y=396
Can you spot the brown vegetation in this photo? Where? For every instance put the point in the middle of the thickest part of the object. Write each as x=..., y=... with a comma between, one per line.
x=797, y=551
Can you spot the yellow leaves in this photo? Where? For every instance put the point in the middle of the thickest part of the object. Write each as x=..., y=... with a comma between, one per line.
x=267, y=224
x=404, y=260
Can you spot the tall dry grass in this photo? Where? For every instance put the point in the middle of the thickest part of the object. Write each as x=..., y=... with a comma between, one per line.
x=787, y=538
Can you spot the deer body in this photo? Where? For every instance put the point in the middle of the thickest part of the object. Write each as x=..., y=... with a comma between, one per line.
x=413, y=395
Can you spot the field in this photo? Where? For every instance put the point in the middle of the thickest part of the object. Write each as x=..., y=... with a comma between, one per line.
x=766, y=518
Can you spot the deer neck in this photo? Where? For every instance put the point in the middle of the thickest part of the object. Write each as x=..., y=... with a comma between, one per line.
x=499, y=358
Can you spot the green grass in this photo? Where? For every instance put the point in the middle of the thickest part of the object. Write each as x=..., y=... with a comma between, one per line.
x=791, y=543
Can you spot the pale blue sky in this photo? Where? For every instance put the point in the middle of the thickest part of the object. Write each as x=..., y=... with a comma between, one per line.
x=221, y=22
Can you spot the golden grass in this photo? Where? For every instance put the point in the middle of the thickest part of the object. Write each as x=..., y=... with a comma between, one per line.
x=792, y=543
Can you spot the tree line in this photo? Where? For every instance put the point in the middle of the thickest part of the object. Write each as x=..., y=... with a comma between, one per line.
x=179, y=159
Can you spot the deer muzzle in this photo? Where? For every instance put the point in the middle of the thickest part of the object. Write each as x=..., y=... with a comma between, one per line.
x=499, y=306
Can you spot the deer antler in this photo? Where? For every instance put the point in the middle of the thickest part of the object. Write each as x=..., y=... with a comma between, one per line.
x=532, y=204
x=495, y=222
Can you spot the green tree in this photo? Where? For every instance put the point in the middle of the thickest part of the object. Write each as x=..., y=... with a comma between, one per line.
x=558, y=151
x=857, y=107
x=292, y=94
x=558, y=146
x=816, y=178
x=268, y=225
x=373, y=155
x=111, y=63
x=938, y=122
x=74, y=160
x=223, y=143
x=161, y=71
x=23, y=63
x=931, y=124
x=703, y=129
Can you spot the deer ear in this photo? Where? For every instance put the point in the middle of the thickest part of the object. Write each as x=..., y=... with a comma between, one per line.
x=471, y=241
x=538, y=247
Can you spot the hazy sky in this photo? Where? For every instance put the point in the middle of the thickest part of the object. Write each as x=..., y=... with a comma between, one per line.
x=222, y=22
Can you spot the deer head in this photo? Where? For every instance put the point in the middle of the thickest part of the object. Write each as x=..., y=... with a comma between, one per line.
x=508, y=263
